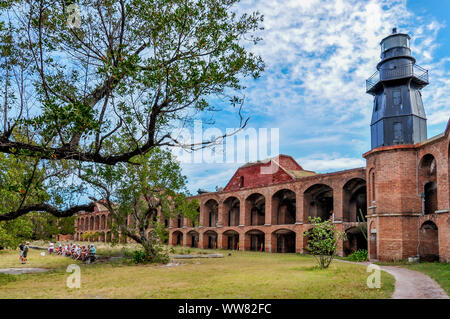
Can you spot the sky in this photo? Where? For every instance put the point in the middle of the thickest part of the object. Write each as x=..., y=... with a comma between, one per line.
x=318, y=54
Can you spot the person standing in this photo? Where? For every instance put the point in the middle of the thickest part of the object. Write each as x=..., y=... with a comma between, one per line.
x=21, y=252
x=25, y=252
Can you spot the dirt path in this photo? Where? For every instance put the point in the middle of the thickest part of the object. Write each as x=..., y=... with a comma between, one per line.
x=19, y=271
x=411, y=284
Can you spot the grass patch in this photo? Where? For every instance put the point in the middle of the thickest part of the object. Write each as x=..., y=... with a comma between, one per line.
x=241, y=275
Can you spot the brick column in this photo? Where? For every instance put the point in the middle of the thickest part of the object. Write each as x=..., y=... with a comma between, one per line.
x=200, y=240
x=338, y=203
x=271, y=210
x=221, y=214
x=299, y=214
x=185, y=240
x=244, y=214
x=222, y=241
x=270, y=242
x=244, y=242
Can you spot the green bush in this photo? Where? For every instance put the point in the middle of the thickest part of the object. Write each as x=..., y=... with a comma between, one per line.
x=139, y=257
x=359, y=255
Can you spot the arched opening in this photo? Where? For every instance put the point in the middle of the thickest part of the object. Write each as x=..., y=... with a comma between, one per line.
x=428, y=173
x=108, y=237
x=356, y=240
x=285, y=241
x=429, y=242
x=231, y=211
x=256, y=240
x=256, y=207
x=354, y=200
x=97, y=222
x=232, y=239
x=373, y=253
x=91, y=223
x=193, y=237
x=318, y=201
x=180, y=221
x=210, y=239
x=212, y=212
x=177, y=238
x=103, y=222
x=86, y=223
x=283, y=207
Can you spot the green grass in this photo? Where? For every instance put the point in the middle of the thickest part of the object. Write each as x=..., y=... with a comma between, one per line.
x=440, y=272
x=241, y=275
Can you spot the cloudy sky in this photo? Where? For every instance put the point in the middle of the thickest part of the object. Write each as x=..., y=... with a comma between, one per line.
x=318, y=54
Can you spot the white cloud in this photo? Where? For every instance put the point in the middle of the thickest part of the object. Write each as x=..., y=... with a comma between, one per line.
x=318, y=54
x=329, y=162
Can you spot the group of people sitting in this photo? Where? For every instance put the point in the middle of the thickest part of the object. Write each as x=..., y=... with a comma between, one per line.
x=76, y=252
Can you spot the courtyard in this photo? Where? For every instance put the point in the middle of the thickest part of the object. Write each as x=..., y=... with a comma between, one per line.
x=239, y=275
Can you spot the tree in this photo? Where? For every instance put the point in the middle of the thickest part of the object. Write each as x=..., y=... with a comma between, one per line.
x=322, y=240
x=140, y=194
x=114, y=86
x=14, y=176
x=47, y=226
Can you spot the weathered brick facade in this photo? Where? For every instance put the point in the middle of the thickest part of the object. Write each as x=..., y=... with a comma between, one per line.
x=404, y=218
x=403, y=192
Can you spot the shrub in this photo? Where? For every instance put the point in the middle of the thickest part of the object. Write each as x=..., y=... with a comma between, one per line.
x=359, y=255
x=322, y=240
x=139, y=257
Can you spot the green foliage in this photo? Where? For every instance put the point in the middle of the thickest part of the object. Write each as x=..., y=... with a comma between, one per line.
x=90, y=235
x=20, y=183
x=322, y=240
x=45, y=226
x=139, y=257
x=140, y=195
x=14, y=232
x=359, y=255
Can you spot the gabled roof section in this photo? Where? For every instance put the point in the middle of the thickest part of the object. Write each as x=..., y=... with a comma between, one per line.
x=266, y=172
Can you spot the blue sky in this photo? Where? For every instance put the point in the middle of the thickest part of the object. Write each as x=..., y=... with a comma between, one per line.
x=318, y=54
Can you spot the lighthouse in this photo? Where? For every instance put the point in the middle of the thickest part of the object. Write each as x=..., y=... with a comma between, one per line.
x=398, y=115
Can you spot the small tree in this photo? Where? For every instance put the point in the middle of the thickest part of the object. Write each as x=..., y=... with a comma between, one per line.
x=322, y=240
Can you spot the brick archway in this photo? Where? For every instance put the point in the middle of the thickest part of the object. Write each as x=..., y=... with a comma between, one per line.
x=318, y=201
x=232, y=211
x=284, y=240
x=429, y=241
x=255, y=240
x=354, y=200
x=255, y=205
x=428, y=177
x=283, y=207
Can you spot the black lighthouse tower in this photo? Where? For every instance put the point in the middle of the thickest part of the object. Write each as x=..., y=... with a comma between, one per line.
x=398, y=114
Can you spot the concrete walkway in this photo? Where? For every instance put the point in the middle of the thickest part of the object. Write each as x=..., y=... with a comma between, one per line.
x=19, y=271
x=410, y=284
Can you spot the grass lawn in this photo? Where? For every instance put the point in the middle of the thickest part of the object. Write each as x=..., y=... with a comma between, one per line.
x=440, y=272
x=241, y=275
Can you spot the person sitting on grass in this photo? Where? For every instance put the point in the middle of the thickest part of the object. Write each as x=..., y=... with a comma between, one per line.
x=51, y=248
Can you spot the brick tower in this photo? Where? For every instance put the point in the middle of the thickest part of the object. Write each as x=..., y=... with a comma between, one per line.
x=407, y=174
